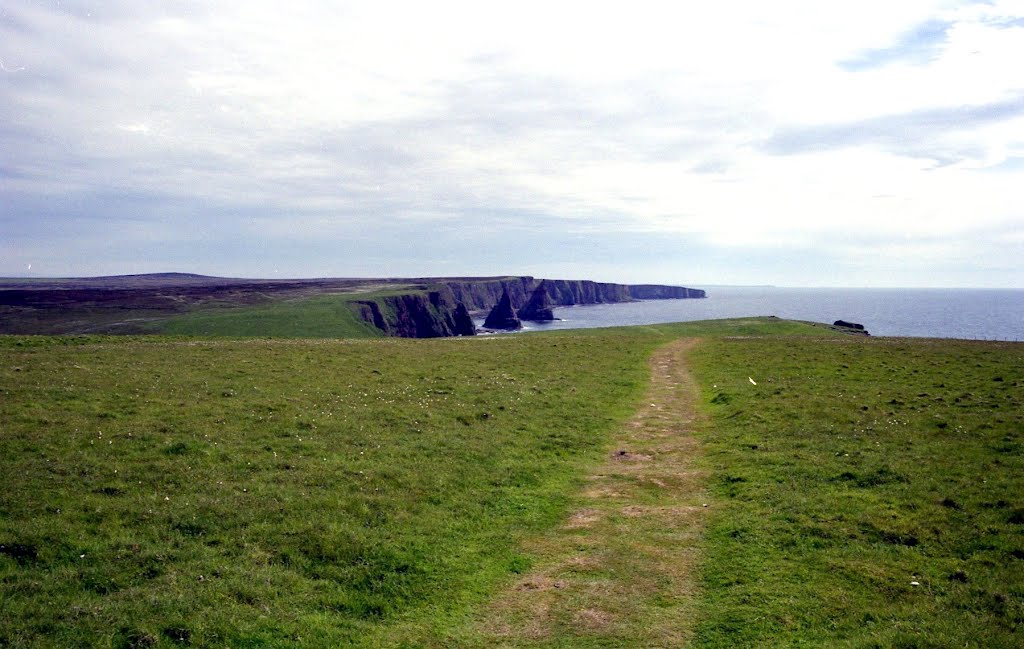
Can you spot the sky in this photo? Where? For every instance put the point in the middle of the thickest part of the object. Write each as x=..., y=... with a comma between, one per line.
x=794, y=143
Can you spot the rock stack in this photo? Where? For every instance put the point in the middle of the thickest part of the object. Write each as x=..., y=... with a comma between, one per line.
x=463, y=321
x=538, y=309
x=503, y=316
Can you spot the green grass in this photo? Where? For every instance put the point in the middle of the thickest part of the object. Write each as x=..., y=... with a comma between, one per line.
x=326, y=316
x=261, y=493
x=250, y=493
x=853, y=468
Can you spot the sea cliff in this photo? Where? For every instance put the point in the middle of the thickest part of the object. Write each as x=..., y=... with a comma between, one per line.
x=442, y=309
x=195, y=304
x=429, y=314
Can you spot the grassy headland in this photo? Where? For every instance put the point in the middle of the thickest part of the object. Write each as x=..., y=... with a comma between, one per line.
x=324, y=316
x=170, y=492
x=173, y=303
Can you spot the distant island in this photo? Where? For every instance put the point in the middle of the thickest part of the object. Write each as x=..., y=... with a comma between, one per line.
x=402, y=307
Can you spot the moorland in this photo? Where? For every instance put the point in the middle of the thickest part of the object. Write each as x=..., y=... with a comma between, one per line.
x=752, y=482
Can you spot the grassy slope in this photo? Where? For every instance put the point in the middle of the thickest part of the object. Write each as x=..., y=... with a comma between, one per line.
x=261, y=492
x=325, y=316
x=852, y=469
x=252, y=492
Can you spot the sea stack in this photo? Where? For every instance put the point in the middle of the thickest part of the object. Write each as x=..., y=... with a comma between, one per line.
x=463, y=321
x=538, y=309
x=503, y=316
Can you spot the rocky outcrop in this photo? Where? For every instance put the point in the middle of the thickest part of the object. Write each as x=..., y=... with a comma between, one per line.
x=850, y=327
x=503, y=316
x=538, y=309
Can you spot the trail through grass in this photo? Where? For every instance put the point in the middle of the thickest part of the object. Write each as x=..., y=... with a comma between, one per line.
x=489, y=492
x=620, y=569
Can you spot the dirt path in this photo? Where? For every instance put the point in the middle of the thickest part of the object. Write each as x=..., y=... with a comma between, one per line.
x=621, y=570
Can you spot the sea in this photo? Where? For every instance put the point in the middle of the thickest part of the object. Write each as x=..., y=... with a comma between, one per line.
x=971, y=314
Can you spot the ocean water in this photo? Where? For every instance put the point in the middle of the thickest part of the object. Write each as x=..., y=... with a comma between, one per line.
x=981, y=314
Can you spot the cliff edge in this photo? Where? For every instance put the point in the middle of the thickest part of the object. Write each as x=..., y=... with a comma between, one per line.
x=443, y=307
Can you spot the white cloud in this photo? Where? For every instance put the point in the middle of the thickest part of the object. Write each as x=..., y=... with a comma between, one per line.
x=738, y=125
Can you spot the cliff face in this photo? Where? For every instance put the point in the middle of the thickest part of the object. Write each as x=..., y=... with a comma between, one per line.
x=565, y=292
x=483, y=294
x=658, y=292
x=433, y=314
x=443, y=309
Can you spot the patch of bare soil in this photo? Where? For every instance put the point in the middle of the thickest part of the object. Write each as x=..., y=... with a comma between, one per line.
x=621, y=570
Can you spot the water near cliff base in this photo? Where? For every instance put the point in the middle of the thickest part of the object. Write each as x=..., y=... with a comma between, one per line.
x=984, y=314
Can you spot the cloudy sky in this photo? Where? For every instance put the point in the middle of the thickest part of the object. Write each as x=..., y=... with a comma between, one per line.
x=798, y=143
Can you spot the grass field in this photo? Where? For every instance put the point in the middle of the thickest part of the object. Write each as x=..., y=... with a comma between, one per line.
x=871, y=493
x=255, y=492
x=324, y=316
x=187, y=492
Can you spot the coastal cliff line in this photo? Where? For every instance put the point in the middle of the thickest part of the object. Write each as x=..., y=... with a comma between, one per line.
x=190, y=304
x=445, y=307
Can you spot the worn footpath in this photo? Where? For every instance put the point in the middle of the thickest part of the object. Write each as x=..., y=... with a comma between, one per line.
x=621, y=570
